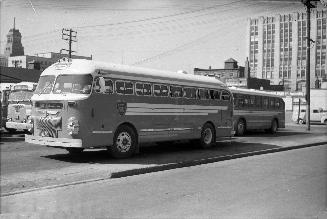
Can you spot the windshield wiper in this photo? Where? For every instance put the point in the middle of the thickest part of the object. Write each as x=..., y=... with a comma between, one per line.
x=46, y=87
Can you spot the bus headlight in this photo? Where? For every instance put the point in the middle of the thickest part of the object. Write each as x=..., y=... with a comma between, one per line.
x=31, y=128
x=73, y=126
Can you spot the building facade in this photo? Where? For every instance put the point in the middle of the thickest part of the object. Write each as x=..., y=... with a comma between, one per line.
x=276, y=47
x=39, y=61
x=230, y=70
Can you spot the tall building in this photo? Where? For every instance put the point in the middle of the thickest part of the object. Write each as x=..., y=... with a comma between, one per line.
x=277, y=48
x=14, y=45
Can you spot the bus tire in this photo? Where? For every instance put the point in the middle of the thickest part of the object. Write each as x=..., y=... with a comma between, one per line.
x=74, y=151
x=124, y=143
x=208, y=136
x=240, y=127
x=274, y=127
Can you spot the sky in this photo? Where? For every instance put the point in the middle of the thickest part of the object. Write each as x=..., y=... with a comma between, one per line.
x=162, y=34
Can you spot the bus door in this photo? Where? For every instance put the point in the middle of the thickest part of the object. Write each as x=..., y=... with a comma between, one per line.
x=101, y=111
x=226, y=110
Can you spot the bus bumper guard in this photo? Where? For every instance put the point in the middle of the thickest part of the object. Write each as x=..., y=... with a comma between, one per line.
x=54, y=142
x=19, y=125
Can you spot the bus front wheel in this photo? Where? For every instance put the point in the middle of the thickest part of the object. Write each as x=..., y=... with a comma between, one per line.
x=125, y=142
x=208, y=136
x=240, y=127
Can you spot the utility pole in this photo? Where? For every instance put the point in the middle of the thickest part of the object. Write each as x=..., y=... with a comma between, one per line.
x=308, y=5
x=70, y=35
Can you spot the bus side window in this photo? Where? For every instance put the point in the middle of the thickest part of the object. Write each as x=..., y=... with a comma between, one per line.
x=147, y=89
x=265, y=102
x=225, y=95
x=129, y=88
x=258, y=101
x=176, y=91
x=201, y=94
x=271, y=103
x=164, y=90
x=189, y=92
x=109, y=85
x=277, y=103
x=246, y=100
x=252, y=101
x=156, y=90
x=216, y=95
x=120, y=87
x=139, y=88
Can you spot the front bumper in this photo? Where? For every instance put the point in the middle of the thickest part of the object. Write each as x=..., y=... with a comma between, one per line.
x=54, y=142
x=19, y=125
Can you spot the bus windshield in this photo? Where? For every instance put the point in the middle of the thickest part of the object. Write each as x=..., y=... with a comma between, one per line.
x=20, y=96
x=45, y=84
x=78, y=84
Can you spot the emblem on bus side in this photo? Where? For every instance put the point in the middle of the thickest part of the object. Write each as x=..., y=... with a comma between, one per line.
x=121, y=107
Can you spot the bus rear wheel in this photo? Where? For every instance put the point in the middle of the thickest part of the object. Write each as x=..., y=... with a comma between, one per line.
x=208, y=136
x=125, y=142
x=240, y=127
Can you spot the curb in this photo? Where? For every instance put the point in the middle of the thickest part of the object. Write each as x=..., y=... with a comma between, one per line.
x=170, y=166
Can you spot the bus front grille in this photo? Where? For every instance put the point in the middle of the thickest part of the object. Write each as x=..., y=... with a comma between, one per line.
x=48, y=126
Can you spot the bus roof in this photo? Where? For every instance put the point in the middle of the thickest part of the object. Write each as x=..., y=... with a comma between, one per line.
x=82, y=66
x=252, y=92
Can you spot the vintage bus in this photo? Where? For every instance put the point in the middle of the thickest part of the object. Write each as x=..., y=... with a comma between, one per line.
x=257, y=110
x=5, y=91
x=20, y=106
x=81, y=104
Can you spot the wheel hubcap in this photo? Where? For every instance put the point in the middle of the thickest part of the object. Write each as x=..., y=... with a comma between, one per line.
x=240, y=128
x=124, y=142
x=207, y=136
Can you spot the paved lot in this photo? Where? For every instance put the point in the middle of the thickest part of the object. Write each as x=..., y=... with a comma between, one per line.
x=27, y=166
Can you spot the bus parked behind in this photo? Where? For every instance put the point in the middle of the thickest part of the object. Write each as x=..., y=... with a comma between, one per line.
x=81, y=104
x=255, y=110
x=20, y=106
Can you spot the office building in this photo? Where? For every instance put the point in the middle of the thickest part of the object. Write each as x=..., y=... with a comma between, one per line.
x=276, y=47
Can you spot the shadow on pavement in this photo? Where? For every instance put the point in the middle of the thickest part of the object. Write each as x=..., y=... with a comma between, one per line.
x=165, y=153
x=17, y=136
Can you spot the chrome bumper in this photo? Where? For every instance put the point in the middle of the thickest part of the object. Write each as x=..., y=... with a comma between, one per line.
x=54, y=142
x=19, y=125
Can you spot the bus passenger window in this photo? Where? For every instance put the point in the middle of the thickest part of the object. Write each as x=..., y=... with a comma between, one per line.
x=190, y=92
x=164, y=90
x=271, y=103
x=120, y=87
x=201, y=94
x=109, y=86
x=147, y=89
x=176, y=91
x=265, y=102
x=225, y=95
x=139, y=89
x=216, y=95
x=128, y=88
x=258, y=101
x=156, y=90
